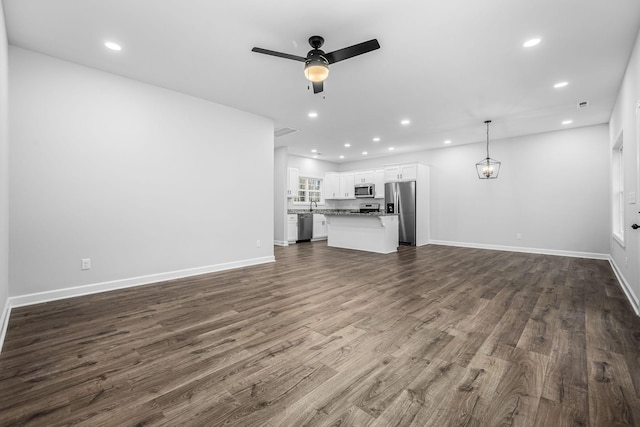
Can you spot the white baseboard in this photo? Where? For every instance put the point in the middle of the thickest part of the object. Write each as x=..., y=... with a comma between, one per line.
x=281, y=243
x=40, y=297
x=4, y=321
x=539, y=251
x=631, y=296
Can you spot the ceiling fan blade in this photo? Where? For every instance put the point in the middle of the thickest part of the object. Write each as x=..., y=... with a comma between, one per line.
x=351, y=51
x=317, y=87
x=279, y=54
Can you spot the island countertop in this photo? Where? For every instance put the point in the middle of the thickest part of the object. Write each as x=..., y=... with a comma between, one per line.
x=339, y=212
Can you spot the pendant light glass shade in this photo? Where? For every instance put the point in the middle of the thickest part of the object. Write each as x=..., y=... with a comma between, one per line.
x=488, y=168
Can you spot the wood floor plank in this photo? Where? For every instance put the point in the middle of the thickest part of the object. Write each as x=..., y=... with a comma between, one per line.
x=553, y=414
x=566, y=379
x=416, y=404
x=429, y=336
x=612, y=400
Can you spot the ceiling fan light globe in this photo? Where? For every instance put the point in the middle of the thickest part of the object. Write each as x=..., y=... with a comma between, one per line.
x=316, y=72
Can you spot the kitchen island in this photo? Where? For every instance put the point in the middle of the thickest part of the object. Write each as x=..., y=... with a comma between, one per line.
x=373, y=232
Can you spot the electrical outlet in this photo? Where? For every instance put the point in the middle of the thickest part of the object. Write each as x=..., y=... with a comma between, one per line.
x=518, y=236
x=257, y=243
x=85, y=264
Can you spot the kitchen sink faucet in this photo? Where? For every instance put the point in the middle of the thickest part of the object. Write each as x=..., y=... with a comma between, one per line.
x=311, y=205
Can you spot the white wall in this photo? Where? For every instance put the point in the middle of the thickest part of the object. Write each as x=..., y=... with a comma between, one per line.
x=312, y=168
x=280, y=162
x=140, y=179
x=553, y=189
x=4, y=178
x=625, y=119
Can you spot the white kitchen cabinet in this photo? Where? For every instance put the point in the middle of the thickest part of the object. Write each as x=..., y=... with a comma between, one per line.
x=332, y=185
x=378, y=181
x=319, y=227
x=339, y=186
x=364, y=177
x=408, y=172
x=347, y=184
x=292, y=182
x=292, y=228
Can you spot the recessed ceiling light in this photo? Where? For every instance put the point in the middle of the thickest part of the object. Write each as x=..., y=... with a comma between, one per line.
x=532, y=42
x=560, y=84
x=365, y=153
x=376, y=139
x=342, y=157
x=448, y=141
x=391, y=148
x=313, y=114
x=567, y=122
x=314, y=151
x=405, y=122
x=347, y=145
x=113, y=46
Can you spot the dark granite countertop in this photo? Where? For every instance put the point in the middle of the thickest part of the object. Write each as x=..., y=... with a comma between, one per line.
x=341, y=212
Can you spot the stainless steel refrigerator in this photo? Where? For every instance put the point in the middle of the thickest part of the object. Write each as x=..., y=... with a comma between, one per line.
x=400, y=198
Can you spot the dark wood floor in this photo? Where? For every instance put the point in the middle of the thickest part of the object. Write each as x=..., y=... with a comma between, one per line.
x=430, y=336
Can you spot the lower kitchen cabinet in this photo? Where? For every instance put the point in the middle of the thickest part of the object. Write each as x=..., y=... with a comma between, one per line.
x=319, y=227
x=292, y=228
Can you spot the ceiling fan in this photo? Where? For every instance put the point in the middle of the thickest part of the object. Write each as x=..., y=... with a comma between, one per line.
x=316, y=64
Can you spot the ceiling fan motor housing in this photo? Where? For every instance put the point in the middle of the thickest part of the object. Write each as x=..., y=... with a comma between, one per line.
x=316, y=42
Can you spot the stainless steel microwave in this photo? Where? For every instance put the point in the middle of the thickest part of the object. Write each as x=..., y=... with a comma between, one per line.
x=365, y=191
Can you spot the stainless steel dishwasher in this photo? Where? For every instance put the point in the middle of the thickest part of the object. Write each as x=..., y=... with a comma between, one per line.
x=305, y=227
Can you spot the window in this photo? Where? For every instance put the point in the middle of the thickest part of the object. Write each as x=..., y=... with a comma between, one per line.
x=309, y=190
x=617, y=170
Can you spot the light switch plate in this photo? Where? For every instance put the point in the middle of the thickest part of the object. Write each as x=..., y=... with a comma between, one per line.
x=632, y=197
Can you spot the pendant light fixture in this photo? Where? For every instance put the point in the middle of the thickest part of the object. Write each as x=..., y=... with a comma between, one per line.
x=488, y=168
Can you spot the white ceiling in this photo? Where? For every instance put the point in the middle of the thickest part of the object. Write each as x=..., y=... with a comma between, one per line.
x=446, y=65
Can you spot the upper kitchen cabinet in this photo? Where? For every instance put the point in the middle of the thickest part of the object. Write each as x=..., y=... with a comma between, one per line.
x=378, y=181
x=408, y=172
x=364, y=177
x=339, y=185
x=332, y=185
x=292, y=182
x=347, y=184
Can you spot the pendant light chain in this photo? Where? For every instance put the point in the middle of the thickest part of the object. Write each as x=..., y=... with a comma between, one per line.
x=487, y=122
